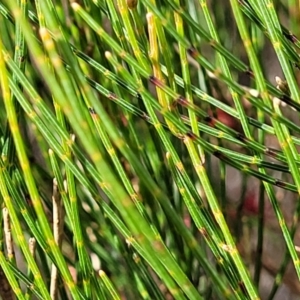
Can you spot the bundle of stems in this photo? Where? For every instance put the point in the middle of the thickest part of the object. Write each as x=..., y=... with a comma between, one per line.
x=149, y=149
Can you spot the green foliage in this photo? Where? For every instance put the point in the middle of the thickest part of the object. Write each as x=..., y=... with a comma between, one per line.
x=149, y=149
